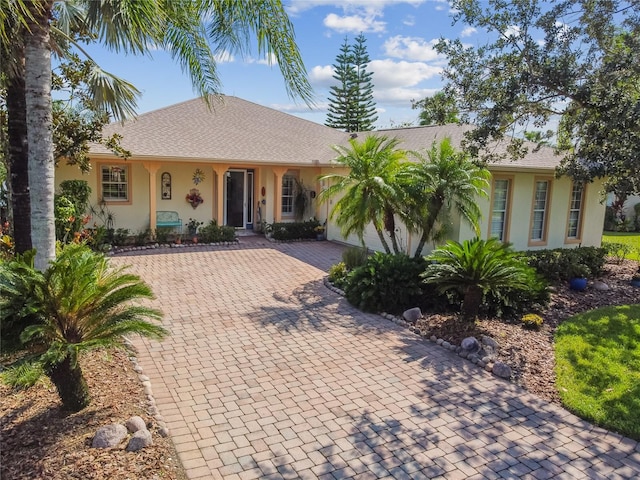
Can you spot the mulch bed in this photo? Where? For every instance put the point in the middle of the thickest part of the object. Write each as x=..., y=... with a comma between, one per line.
x=530, y=353
x=38, y=440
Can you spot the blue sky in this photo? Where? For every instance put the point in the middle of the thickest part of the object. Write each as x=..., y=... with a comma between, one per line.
x=400, y=37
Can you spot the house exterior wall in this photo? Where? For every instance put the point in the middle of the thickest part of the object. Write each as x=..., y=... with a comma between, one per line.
x=519, y=220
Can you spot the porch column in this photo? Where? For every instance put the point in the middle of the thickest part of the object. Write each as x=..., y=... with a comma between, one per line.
x=152, y=168
x=278, y=173
x=220, y=171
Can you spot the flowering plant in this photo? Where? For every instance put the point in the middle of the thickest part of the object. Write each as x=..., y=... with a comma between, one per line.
x=319, y=229
x=194, y=198
x=193, y=224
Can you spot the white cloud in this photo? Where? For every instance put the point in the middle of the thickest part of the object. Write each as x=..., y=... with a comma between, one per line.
x=322, y=75
x=512, y=31
x=354, y=23
x=298, y=6
x=411, y=48
x=409, y=21
x=295, y=108
x=390, y=74
x=468, y=31
x=403, y=96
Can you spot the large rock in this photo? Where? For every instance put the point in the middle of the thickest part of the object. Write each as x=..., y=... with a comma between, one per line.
x=135, y=423
x=600, y=286
x=489, y=342
x=109, y=436
x=501, y=370
x=139, y=440
x=470, y=345
x=412, y=315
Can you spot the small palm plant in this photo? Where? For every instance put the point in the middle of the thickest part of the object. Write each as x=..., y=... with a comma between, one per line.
x=475, y=268
x=78, y=304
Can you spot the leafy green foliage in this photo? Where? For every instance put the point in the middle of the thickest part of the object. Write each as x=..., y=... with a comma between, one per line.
x=386, y=283
x=79, y=303
x=598, y=367
x=561, y=264
x=354, y=257
x=585, y=71
x=22, y=374
x=475, y=268
x=370, y=190
x=439, y=109
x=617, y=251
x=70, y=209
x=338, y=274
x=287, y=231
x=445, y=181
x=214, y=233
x=630, y=239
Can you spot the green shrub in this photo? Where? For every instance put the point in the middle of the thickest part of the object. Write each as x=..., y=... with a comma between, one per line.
x=386, y=283
x=510, y=302
x=559, y=264
x=162, y=234
x=617, y=251
x=354, y=257
x=142, y=237
x=338, y=275
x=484, y=272
x=214, y=233
x=532, y=321
x=286, y=231
x=22, y=374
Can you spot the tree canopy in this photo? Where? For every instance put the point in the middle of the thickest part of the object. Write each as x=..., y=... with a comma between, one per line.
x=572, y=62
x=351, y=105
x=438, y=109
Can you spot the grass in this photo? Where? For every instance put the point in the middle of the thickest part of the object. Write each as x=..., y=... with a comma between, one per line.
x=598, y=367
x=631, y=239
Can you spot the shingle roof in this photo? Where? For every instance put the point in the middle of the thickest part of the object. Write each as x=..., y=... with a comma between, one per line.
x=421, y=138
x=233, y=130
x=238, y=131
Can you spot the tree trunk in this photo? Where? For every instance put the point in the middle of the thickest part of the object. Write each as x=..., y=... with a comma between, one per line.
x=385, y=245
x=471, y=303
x=39, y=132
x=70, y=383
x=390, y=227
x=18, y=155
x=434, y=211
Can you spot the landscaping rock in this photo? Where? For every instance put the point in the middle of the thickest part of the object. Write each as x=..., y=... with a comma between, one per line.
x=139, y=440
x=470, y=345
x=501, y=370
x=489, y=342
x=600, y=286
x=412, y=315
x=109, y=436
x=135, y=423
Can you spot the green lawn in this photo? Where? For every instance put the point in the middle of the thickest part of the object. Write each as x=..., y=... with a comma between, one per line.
x=632, y=239
x=598, y=367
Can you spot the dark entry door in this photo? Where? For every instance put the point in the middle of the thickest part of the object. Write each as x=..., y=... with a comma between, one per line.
x=236, y=198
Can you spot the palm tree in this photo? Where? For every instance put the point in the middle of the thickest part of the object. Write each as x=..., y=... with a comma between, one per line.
x=444, y=181
x=369, y=191
x=78, y=304
x=136, y=26
x=475, y=268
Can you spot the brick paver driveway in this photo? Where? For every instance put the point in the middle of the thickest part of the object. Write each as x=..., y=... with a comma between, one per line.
x=268, y=374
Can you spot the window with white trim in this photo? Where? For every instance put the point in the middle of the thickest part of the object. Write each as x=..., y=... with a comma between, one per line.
x=540, y=205
x=288, y=187
x=114, y=183
x=499, y=209
x=575, y=211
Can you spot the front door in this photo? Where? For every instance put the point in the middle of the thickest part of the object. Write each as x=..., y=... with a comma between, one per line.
x=239, y=198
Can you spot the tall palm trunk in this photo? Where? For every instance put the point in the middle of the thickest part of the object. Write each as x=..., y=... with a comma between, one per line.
x=70, y=383
x=39, y=132
x=471, y=303
x=434, y=210
x=383, y=240
x=390, y=227
x=18, y=155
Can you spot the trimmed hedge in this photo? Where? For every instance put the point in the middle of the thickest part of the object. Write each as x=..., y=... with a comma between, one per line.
x=558, y=264
x=285, y=231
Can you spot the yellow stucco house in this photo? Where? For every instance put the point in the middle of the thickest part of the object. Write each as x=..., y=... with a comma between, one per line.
x=242, y=159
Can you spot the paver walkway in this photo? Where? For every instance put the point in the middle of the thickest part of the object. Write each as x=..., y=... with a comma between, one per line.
x=268, y=374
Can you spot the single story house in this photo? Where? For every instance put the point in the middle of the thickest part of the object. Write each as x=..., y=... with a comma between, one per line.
x=237, y=162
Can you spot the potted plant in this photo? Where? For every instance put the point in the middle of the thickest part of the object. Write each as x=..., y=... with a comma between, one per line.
x=319, y=232
x=192, y=226
x=635, y=279
x=194, y=198
x=578, y=276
